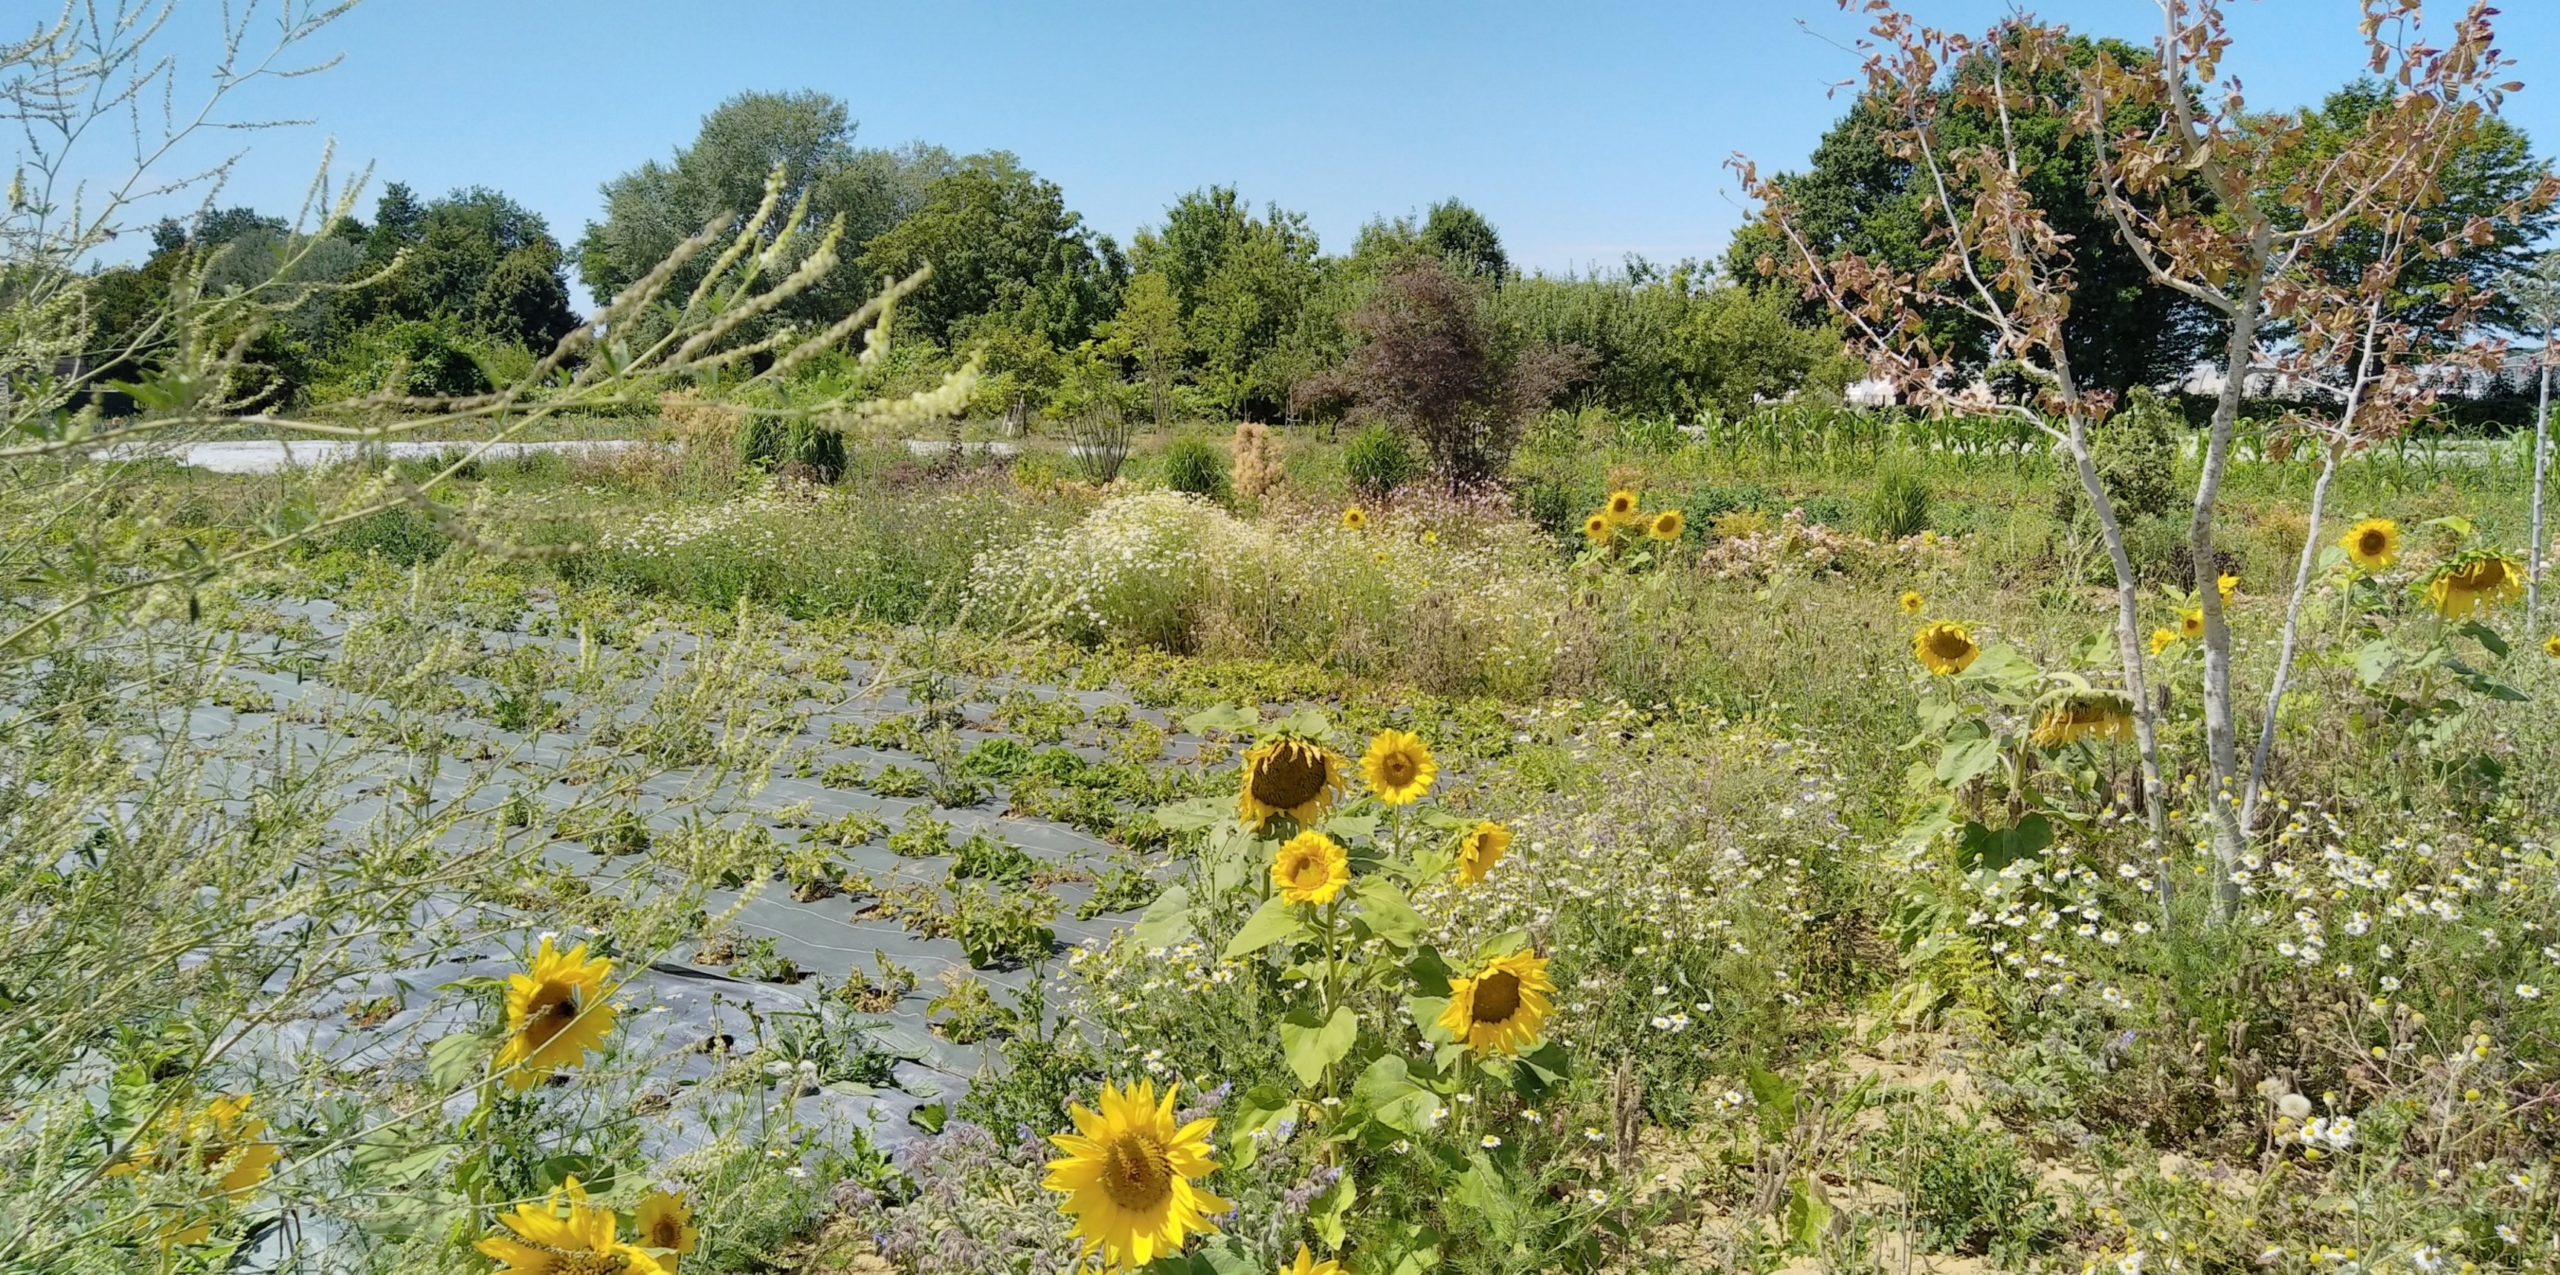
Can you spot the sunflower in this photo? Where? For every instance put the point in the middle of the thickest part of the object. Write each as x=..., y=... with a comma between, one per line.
x=1622, y=506
x=556, y=1014
x=1596, y=529
x=666, y=1225
x=2229, y=585
x=2551, y=646
x=223, y=1141
x=2474, y=581
x=1286, y=775
x=1308, y=1265
x=2102, y=715
x=1913, y=603
x=1399, y=767
x=566, y=1235
x=1482, y=847
x=1310, y=868
x=1945, y=649
x=1129, y=1174
x=2373, y=544
x=1501, y=1009
x=2163, y=639
x=2191, y=623
x=1355, y=518
x=1668, y=525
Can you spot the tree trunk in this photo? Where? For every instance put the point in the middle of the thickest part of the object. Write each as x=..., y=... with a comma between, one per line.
x=2541, y=475
x=2221, y=731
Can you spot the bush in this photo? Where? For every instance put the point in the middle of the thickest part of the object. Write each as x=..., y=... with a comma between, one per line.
x=398, y=534
x=1969, y=1191
x=1192, y=466
x=1707, y=505
x=1379, y=460
x=1899, y=505
x=2137, y=452
x=420, y=358
x=779, y=443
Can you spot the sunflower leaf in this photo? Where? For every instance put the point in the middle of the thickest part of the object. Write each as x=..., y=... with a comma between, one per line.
x=1224, y=717
x=1273, y=922
x=1314, y=1045
x=1193, y=815
x=1167, y=921
x=1384, y=909
x=453, y=1061
x=1388, y=1092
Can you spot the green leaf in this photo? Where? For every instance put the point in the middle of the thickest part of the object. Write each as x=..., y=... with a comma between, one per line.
x=454, y=1062
x=1314, y=1045
x=1166, y=922
x=1966, y=760
x=1388, y=1092
x=1808, y=1218
x=2375, y=661
x=1193, y=815
x=1262, y=1107
x=1388, y=914
x=1228, y=718
x=1352, y=827
x=2487, y=637
x=1988, y=849
x=1310, y=722
x=1332, y=1214
x=1274, y=922
x=930, y=1117
x=1776, y=1097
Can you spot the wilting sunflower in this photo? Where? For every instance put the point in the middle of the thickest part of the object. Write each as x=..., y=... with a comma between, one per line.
x=1503, y=1007
x=2163, y=639
x=666, y=1225
x=1308, y=1265
x=1622, y=506
x=2228, y=585
x=223, y=1141
x=1913, y=603
x=2191, y=623
x=1355, y=518
x=566, y=1235
x=1399, y=767
x=2373, y=545
x=2071, y=718
x=556, y=1014
x=2476, y=580
x=1310, y=868
x=1482, y=847
x=1668, y=525
x=1945, y=649
x=1129, y=1176
x=1286, y=775
x=1596, y=529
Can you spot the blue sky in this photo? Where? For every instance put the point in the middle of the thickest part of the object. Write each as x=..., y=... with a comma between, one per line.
x=1583, y=131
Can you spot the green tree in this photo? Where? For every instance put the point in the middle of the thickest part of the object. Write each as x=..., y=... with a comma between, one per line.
x=1243, y=283
x=1006, y=251
x=1860, y=196
x=484, y=259
x=1461, y=236
x=809, y=137
x=1148, y=330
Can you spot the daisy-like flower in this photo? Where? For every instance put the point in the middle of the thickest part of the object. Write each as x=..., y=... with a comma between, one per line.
x=1503, y=1007
x=1913, y=603
x=2163, y=639
x=2373, y=545
x=1355, y=518
x=566, y=1235
x=556, y=1015
x=1310, y=869
x=1399, y=767
x=1945, y=649
x=1668, y=525
x=1481, y=848
x=666, y=1225
x=1131, y=1175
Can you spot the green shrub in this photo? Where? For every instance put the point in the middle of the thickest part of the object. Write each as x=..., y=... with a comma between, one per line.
x=398, y=534
x=1710, y=503
x=2137, y=452
x=1899, y=505
x=1969, y=1190
x=1193, y=465
x=776, y=442
x=1378, y=460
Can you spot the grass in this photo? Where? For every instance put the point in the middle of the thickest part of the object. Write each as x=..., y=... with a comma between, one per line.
x=1810, y=1009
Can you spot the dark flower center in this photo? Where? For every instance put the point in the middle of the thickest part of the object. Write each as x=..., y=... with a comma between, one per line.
x=1136, y=1173
x=2372, y=543
x=1497, y=997
x=1290, y=777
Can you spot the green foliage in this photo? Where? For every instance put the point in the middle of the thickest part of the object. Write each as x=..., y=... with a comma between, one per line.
x=806, y=447
x=1898, y=506
x=1378, y=460
x=1196, y=466
x=1970, y=1191
x=2137, y=452
x=1005, y=251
